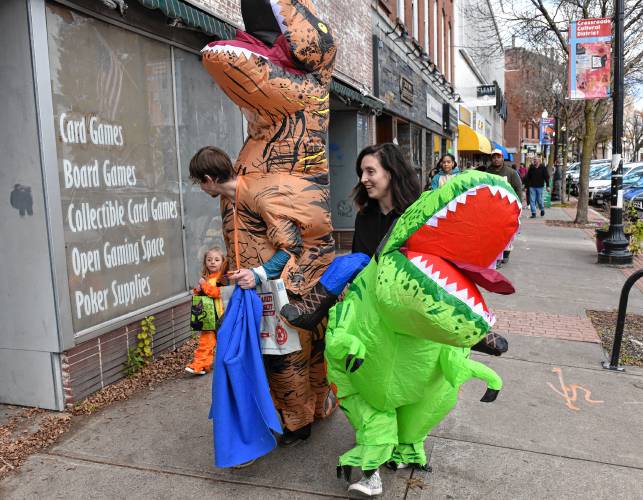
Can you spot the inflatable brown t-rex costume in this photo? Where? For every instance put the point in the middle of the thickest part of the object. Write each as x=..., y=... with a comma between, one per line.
x=278, y=72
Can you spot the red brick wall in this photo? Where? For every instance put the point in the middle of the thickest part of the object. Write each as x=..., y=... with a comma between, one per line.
x=352, y=27
x=98, y=362
x=443, y=5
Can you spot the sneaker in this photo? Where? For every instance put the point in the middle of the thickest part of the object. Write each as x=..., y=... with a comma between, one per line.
x=395, y=466
x=542, y=213
x=532, y=216
x=191, y=370
x=368, y=486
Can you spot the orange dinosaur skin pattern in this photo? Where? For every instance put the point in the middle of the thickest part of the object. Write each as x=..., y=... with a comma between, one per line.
x=283, y=199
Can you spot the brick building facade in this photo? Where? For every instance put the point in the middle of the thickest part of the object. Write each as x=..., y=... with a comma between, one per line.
x=413, y=75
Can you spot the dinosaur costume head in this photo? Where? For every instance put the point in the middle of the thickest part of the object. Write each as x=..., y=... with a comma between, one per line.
x=440, y=250
x=278, y=72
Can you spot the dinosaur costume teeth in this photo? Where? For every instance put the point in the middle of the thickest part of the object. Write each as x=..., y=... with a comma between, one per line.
x=398, y=345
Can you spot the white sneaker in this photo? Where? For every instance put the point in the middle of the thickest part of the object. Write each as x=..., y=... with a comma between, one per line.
x=369, y=487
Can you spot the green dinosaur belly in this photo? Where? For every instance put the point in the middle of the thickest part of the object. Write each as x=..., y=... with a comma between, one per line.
x=396, y=370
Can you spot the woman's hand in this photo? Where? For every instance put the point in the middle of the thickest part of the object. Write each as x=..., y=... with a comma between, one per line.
x=245, y=278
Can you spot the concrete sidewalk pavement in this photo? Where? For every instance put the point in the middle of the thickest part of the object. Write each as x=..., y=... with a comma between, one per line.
x=562, y=426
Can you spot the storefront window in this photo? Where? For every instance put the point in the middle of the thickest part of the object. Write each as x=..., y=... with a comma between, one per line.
x=205, y=116
x=115, y=138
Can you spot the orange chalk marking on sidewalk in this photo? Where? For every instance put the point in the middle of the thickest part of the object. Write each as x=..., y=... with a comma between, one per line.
x=570, y=392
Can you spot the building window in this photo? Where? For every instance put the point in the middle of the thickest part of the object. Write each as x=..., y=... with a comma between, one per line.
x=416, y=20
x=426, y=26
x=447, y=70
x=435, y=32
x=444, y=45
x=400, y=10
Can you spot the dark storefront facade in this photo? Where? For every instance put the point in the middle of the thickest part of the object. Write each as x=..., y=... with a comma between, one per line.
x=102, y=116
x=416, y=114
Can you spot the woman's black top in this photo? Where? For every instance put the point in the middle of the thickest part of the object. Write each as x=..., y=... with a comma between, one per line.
x=371, y=225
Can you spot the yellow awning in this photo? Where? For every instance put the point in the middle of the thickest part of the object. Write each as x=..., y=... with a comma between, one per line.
x=470, y=140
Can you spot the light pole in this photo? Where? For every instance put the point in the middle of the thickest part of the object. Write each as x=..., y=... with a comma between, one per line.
x=615, y=249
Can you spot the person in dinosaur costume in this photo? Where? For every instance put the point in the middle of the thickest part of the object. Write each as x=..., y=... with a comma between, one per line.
x=279, y=72
x=398, y=345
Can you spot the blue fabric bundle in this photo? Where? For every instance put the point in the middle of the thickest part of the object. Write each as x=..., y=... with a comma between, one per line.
x=242, y=408
x=342, y=270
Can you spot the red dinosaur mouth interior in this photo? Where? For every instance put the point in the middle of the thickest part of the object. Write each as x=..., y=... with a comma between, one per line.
x=457, y=245
x=473, y=229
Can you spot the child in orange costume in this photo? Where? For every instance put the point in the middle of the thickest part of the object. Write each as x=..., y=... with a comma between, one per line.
x=212, y=274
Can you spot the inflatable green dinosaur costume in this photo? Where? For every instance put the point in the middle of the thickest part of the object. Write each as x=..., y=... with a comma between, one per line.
x=398, y=345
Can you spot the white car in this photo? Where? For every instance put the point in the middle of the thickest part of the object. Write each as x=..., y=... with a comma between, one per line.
x=599, y=184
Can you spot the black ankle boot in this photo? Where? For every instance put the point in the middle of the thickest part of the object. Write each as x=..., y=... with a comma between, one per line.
x=292, y=438
x=307, y=311
x=492, y=344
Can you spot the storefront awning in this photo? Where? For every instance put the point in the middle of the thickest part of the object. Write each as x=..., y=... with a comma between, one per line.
x=505, y=153
x=354, y=96
x=191, y=16
x=470, y=140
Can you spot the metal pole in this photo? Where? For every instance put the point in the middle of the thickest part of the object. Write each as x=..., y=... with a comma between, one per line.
x=615, y=250
x=620, y=321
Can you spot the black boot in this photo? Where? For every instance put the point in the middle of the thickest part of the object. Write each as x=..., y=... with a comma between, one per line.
x=306, y=312
x=492, y=344
x=292, y=438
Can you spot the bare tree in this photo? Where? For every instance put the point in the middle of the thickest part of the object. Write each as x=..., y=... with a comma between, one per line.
x=542, y=26
x=634, y=132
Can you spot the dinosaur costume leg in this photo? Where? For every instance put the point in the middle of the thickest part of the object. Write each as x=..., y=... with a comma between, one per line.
x=375, y=433
x=298, y=381
x=415, y=421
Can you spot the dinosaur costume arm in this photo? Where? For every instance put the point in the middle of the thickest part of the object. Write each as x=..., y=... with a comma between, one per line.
x=458, y=369
x=340, y=343
x=310, y=39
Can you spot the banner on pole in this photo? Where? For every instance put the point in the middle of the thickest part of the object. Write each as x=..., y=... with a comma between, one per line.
x=547, y=129
x=590, y=52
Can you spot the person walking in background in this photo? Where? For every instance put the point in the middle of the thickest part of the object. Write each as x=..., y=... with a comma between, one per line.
x=498, y=167
x=387, y=186
x=537, y=177
x=447, y=169
x=522, y=172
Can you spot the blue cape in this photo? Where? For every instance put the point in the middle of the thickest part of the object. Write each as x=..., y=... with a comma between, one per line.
x=242, y=408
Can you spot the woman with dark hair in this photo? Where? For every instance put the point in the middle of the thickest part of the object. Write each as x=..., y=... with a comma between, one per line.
x=447, y=168
x=387, y=186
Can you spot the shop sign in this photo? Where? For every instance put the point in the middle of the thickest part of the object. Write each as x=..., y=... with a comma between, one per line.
x=406, y=91
x=118, y=176
x=485, y=95
x=480, y=124
x=449, y=118
x=433, y=108
x=547, y=130
x=465, y=115
x=590, y=48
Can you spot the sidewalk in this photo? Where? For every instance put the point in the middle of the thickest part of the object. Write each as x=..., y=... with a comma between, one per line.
x=562, y=426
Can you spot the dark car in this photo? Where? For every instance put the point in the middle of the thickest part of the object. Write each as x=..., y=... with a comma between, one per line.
x=637, y=201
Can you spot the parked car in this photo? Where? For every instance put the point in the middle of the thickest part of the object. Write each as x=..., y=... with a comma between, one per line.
x=597, y=168
x=633, y=191
x=637, y=201
x=632, y=172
